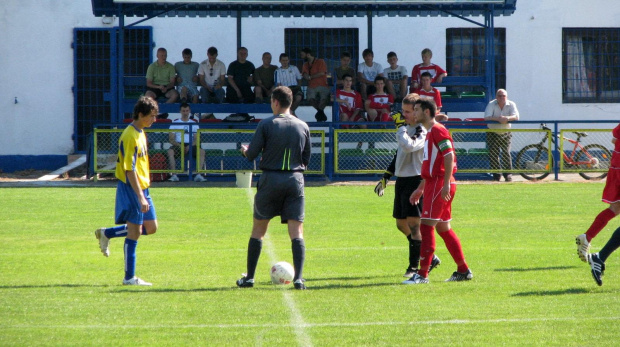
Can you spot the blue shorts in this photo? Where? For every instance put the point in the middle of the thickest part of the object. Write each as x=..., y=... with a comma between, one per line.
x=128, y=206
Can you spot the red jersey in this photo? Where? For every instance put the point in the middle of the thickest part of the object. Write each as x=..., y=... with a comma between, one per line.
x=354, y=101
x=381, y=101
x=433, y=94
x=615, y=156
x=433, y=69
x=438, y=143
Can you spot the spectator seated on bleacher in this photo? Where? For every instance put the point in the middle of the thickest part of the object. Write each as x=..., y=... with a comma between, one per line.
x=367, y=72
x=264, y=80
x=436, y=72
x=397, y=78
x=315, y=72
x=350, y=105
x=187, y=77
x=289, y=76
x=175, y=141
x=161, y=78
x=240, y=79
x=212, y=76
x=379, y=104
x=344, y=69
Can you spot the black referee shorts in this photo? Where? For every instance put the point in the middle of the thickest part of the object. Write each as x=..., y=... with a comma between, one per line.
x=280, y=193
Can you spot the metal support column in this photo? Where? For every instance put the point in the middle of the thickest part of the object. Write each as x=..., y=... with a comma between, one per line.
x=120, y=73
x=489, y=38
x=238, y=30
x=369, y=34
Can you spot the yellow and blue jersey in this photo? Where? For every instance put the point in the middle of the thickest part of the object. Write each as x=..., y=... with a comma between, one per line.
x=133, y=156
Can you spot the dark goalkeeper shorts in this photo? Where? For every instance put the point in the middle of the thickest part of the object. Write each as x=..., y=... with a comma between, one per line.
x=280, y=193
x=404, y=187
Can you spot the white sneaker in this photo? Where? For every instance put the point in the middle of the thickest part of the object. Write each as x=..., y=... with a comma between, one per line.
x=104, y=241
x=135, y=281
x=583, y=247
x=173, y=178
x=416, y=279
x=199, y=178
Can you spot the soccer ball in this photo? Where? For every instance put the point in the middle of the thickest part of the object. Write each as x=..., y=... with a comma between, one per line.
x=282, y=273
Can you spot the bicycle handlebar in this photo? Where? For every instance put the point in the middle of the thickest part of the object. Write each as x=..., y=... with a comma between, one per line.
x=579, y=134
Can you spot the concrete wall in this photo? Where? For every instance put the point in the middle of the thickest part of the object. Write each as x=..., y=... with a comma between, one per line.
x=37, y=57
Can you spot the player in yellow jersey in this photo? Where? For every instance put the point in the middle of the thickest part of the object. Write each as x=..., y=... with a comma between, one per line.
x=134, y=207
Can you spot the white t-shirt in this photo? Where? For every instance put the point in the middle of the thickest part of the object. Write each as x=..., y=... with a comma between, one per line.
x=370, y=72
x=395, y=75
x=212, y=73
x=185, y=128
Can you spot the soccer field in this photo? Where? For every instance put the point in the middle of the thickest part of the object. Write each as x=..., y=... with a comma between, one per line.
x=529, y=287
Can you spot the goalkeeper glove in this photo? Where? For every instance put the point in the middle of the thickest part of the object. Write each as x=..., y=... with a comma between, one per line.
x=398, y=118
x=380, y=187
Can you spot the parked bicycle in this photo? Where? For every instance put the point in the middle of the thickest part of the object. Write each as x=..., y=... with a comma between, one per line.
x=592, y=158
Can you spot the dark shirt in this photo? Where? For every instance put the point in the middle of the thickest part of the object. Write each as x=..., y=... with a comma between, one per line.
x=284, y=141
x=241, y=72
x=265, y=75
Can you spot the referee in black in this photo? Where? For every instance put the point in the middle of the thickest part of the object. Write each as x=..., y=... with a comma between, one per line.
x=284, y=142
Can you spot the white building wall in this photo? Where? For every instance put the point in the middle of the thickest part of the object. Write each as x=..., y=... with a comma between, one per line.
x=37, y=58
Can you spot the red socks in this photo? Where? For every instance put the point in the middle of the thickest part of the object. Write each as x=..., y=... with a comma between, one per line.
x=427, y=249
x=599, y=223
x=454, y=247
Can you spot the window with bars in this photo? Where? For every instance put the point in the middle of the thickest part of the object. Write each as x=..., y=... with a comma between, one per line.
x=465, y=54
x=326, y=44
x=95, y=62
x=590, y=65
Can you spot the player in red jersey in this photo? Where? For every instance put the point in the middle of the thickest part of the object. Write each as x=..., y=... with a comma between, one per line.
x=438, y=187
x=611, y=195
x=426, y=91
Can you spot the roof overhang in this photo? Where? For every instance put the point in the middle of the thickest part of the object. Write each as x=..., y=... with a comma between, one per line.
x=301, y=8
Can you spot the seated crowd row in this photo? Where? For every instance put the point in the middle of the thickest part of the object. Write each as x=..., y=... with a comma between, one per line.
x=371, y=89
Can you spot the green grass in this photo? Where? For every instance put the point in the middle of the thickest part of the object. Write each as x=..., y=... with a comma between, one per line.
x=529, y=286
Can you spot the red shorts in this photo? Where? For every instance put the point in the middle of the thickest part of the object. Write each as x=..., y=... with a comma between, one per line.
x=611, y=192
x=435, y=207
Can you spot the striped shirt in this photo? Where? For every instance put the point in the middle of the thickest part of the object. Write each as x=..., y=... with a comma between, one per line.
x=287, y=77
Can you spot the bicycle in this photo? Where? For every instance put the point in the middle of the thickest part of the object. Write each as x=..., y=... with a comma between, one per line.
x=536, y=157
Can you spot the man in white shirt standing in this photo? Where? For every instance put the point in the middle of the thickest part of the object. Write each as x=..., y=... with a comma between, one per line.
x=499, y=113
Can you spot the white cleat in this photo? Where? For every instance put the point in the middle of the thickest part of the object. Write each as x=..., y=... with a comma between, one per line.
x=173, y=178
x=199, y=178
x=583, y=247
x=416, y=279
x=104, y=241
x=135, y=281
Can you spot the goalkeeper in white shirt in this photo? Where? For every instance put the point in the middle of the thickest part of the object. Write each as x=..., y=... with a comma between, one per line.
x=407, y=166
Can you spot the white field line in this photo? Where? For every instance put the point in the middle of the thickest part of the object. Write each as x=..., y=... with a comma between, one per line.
x=297, y=321
x=311, y=325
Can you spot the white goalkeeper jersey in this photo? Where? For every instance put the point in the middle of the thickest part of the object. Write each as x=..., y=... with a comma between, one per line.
x=410, y=150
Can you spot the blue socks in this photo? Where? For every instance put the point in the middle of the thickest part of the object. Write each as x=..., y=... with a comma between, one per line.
x=130, y=258
x=118, y=231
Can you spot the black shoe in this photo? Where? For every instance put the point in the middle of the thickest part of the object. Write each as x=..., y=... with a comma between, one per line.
x=410, y=272
x=508, y=177
x=245, y=282
x=299, y=284
x=497, y=177
x=460, y=276
x=434, y=263
x=320, y=116
x=598, y=268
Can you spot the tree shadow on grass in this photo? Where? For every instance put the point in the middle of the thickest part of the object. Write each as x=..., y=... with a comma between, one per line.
x=546, y=268
x=61, y=285
x=568, y=291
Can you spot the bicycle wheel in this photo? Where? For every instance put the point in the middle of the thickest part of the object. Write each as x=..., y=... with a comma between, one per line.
x=534, y=159
x=601, y=158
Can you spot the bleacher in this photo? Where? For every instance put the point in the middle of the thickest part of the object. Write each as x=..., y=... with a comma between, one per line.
x=452, y=102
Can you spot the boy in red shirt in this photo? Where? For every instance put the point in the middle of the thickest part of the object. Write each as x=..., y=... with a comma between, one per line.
x=379, y=104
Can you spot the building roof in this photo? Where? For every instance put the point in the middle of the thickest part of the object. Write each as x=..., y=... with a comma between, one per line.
x=301, y=8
